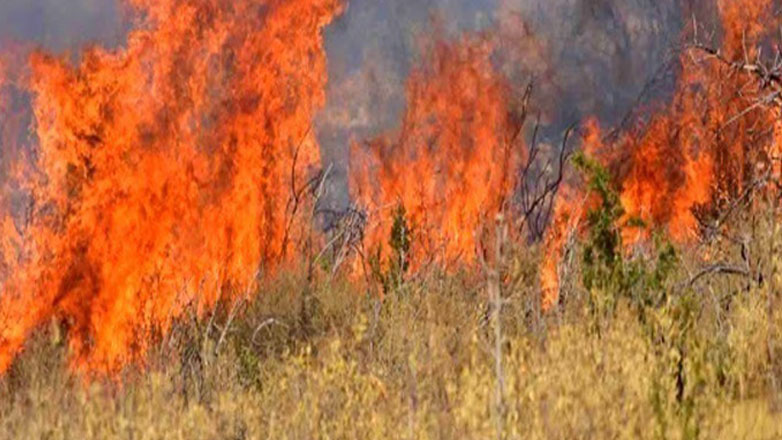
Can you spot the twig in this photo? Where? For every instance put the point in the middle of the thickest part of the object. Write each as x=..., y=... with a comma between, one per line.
x=263, y=325
x=231, y=316
x=550, y=188
x=718, y=269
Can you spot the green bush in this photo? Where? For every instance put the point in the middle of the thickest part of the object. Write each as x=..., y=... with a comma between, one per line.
x=391, y=271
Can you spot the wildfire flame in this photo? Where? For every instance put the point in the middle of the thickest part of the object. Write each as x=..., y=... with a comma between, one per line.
x=162, y=172
x=160, y=175
x=698, y=154
x=452, y=165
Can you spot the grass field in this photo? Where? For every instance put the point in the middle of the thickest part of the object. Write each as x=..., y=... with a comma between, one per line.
x=326, y=358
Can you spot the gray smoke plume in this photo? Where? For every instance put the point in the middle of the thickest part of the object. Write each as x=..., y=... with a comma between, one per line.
x=597, y=56
x=62, y=24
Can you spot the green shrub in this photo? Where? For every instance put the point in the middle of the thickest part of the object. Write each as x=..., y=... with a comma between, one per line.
x=390, y=273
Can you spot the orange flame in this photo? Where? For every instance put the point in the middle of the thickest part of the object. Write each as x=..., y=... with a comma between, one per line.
x=565, y=223
x=744, y=22
x=163, y=172
x=699, y=154
x=452, y=164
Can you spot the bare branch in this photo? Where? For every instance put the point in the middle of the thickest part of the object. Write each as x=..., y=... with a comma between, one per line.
x=718, y=269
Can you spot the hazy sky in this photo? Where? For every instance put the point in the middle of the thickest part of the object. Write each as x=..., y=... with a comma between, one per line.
x=61, y=24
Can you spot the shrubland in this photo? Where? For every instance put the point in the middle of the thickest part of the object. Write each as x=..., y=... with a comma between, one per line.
x=643, y=343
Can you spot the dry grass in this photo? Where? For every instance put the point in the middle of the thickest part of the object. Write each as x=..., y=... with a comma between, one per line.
x=328, y=360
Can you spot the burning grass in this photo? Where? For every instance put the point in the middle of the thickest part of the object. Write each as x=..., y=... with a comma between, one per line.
x=162, y=274
x=322, y=359
x=161, y=173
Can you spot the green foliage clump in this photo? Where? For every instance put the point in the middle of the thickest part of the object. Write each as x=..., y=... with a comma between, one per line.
x=667, y=314
x=607, y=274
x=391, y=272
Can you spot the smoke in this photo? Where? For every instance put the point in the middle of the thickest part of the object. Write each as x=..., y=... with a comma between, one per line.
x=62, y=24
x=596, y=57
